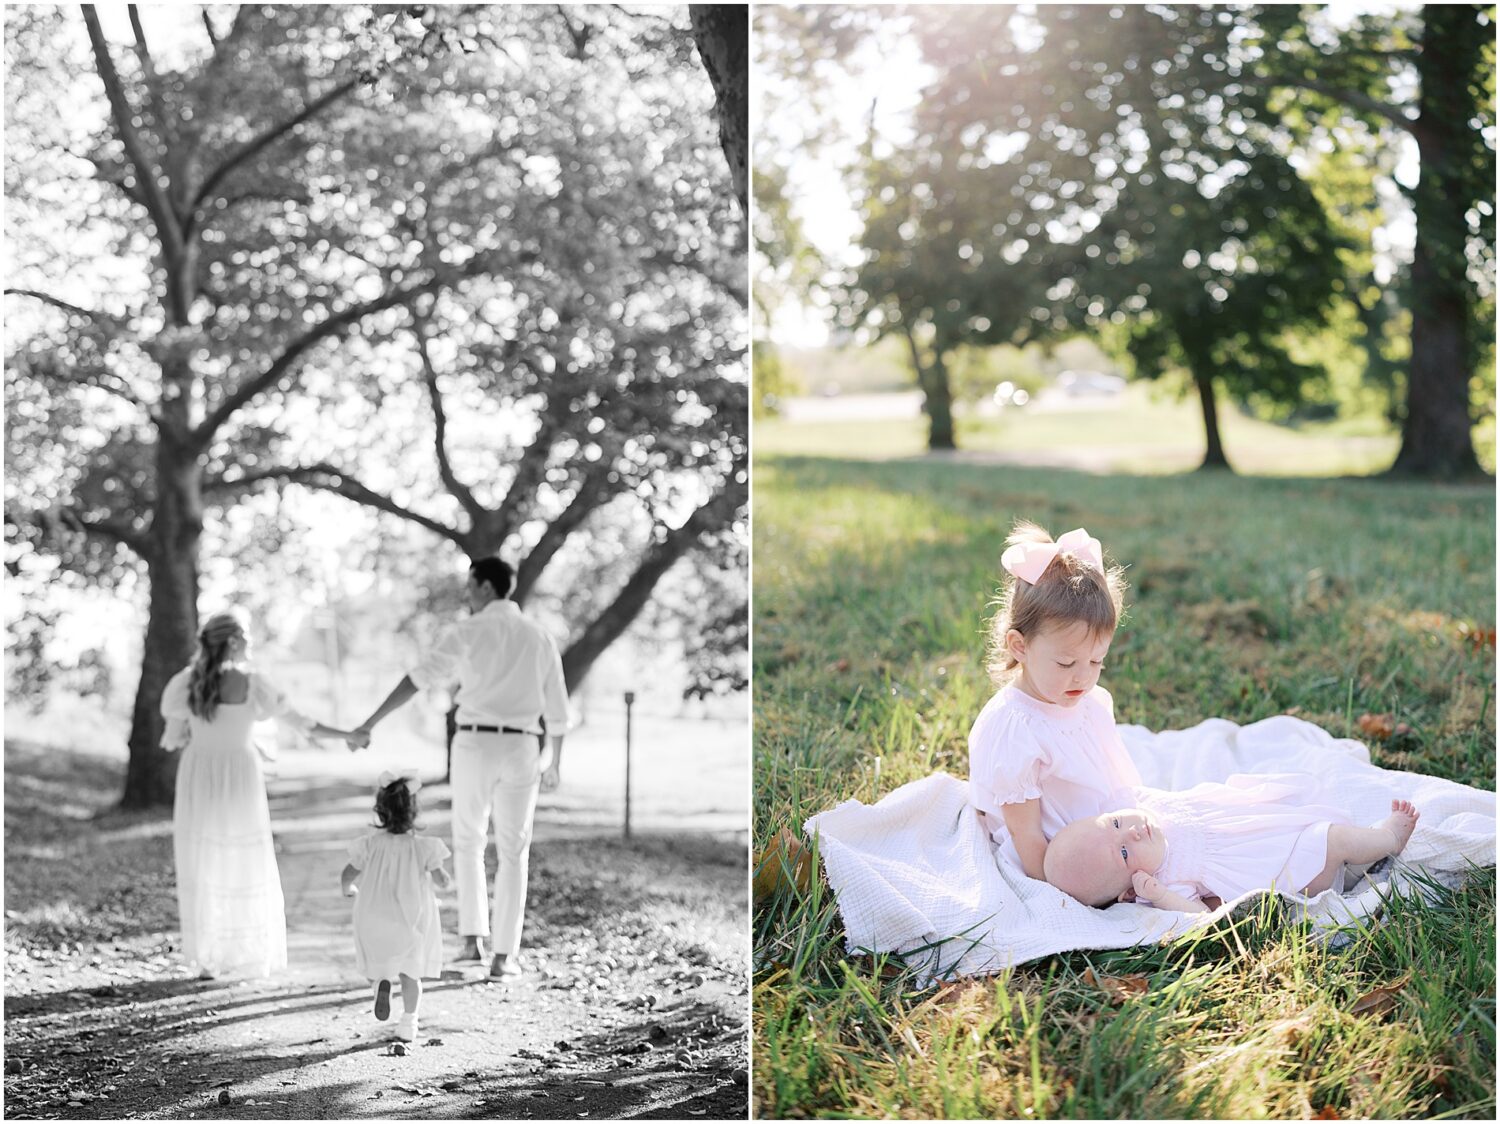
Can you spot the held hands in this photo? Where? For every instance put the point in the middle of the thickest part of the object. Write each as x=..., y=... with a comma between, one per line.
x=357, y=738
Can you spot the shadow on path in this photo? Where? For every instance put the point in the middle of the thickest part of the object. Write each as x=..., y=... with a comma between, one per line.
x=634, y=1001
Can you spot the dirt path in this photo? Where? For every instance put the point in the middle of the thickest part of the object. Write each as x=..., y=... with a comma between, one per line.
x=633, y=1004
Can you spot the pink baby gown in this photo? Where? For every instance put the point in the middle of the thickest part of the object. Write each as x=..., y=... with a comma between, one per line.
x=1252, y=832
x=1069, y=757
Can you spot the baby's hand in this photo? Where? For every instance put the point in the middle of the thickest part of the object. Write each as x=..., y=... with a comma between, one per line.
x=1147, y=886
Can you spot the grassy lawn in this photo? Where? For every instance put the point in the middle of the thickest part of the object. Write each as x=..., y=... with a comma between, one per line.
x=1250, y=597
x=1145, y=431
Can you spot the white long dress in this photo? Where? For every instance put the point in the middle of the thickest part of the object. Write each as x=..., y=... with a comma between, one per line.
x=229, y=897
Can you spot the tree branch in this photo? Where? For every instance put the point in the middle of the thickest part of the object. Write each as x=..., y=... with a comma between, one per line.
x=456, y=488
x=284, y=362
x=330, y=478
x=115, y=528
x=713, y=515
x=58, y=302
x=148, y=73
x=1352, y=99
x=267, y=138
x=155, y=199
x=208, y=25
x=589, y=497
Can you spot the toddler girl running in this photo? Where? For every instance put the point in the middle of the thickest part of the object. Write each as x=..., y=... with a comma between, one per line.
x=397, y=933
x=1217, y=840
x=1044, y=751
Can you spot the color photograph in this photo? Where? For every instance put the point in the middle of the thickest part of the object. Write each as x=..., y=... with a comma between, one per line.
x=1123, y=562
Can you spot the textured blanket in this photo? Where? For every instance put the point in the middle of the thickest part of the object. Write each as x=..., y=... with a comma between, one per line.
x=915, y=873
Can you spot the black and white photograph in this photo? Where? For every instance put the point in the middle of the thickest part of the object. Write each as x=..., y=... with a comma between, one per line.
x=376, y=561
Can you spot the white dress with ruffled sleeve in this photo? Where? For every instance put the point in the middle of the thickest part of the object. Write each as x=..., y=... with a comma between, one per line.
x=229, y=897
x=1070, y=758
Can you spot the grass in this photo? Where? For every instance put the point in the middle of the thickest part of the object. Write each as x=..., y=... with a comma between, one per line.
x=1250, y=597
x=1144, y=431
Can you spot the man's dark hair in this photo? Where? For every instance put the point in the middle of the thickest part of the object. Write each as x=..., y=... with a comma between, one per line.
x=499, y=576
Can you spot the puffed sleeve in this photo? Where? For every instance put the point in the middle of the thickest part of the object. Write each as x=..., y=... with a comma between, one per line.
x=436, y=852
x=359, y=852
x=441, y=663
x=267, y=702
x=175, y=709
x=1006, y=761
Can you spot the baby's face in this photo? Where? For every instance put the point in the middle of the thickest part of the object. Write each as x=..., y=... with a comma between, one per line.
x=1121, y=843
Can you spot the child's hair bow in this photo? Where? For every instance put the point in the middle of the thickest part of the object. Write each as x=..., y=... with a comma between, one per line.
x=1029, y=560
x=387, y=778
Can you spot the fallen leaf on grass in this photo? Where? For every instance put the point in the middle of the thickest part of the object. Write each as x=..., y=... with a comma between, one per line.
x=1379, y=1000
x=1327, y=1112
x=1380, y=726
x=784, y=863
x=1118, y=988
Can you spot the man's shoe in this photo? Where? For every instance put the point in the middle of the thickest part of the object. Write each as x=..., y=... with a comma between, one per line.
x=382, y=999
x=504, y=967
x=473, y=949
x=406, y=1029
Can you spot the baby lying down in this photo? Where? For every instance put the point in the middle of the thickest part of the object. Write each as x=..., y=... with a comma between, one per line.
x=1217, y=840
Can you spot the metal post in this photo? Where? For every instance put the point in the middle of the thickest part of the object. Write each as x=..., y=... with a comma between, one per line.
x=629, y=702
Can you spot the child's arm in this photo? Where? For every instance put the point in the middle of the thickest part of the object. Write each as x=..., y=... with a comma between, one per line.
x=441, y=877
x=1024, y=822
x=351, y=872
x=1149, y=887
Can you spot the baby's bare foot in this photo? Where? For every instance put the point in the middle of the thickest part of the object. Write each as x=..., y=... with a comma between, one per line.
x=1400, y=823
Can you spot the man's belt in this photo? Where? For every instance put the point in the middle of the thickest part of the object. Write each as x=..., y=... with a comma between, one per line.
x=499, y=730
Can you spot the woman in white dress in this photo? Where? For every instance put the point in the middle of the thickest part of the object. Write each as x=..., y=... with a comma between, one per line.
x=228, y=888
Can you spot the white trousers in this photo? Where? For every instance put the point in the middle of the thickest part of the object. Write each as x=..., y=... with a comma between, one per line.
x=495, y=776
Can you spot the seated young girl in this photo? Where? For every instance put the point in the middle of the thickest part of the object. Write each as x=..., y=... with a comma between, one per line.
x=1044, y=751
x=1216, y=841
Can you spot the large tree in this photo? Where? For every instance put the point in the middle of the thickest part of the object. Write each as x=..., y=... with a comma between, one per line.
x=1428, y=74
x=286, y=213
x=1075, y=165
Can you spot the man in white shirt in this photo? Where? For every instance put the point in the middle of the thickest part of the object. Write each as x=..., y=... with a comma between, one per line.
x=511, y=699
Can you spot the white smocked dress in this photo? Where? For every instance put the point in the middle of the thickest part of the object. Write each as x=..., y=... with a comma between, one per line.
x=1071, y=758
x=1252, y=832
x=397, y=931
x=229, y=898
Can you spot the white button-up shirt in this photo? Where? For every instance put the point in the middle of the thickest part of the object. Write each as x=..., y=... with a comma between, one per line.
x=507, y=667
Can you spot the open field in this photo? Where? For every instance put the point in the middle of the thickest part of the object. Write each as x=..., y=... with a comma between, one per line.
x=1141, y=431
x=1250, y=597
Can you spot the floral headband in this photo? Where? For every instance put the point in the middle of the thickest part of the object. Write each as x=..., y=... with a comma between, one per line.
x=388, y=778
x=1029, y=560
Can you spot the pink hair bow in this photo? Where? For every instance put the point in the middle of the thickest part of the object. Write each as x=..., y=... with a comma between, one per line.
x=1029, y=560
x=413, y=784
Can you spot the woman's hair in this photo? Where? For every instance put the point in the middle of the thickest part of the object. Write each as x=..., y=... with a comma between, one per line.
x=396, y=807
x=206, y=678
x=1069, y=591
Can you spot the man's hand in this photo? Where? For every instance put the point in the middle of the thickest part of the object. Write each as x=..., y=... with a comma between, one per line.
x=1147, y=886
x=551, y=779
x=358, y=738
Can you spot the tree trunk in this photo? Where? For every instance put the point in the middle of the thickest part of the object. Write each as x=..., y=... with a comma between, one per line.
x=937, y=397
x=171, y=627
x=722, y=33
x=1437, y=434
x=1213, y=456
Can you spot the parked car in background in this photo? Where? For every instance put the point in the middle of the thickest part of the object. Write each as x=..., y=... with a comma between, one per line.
x=1080, y=383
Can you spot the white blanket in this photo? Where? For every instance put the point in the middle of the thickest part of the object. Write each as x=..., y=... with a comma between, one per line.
x=916, y=875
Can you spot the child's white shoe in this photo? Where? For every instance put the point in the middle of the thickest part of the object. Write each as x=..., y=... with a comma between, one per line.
x=406, y=1029
x=383, y=1000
